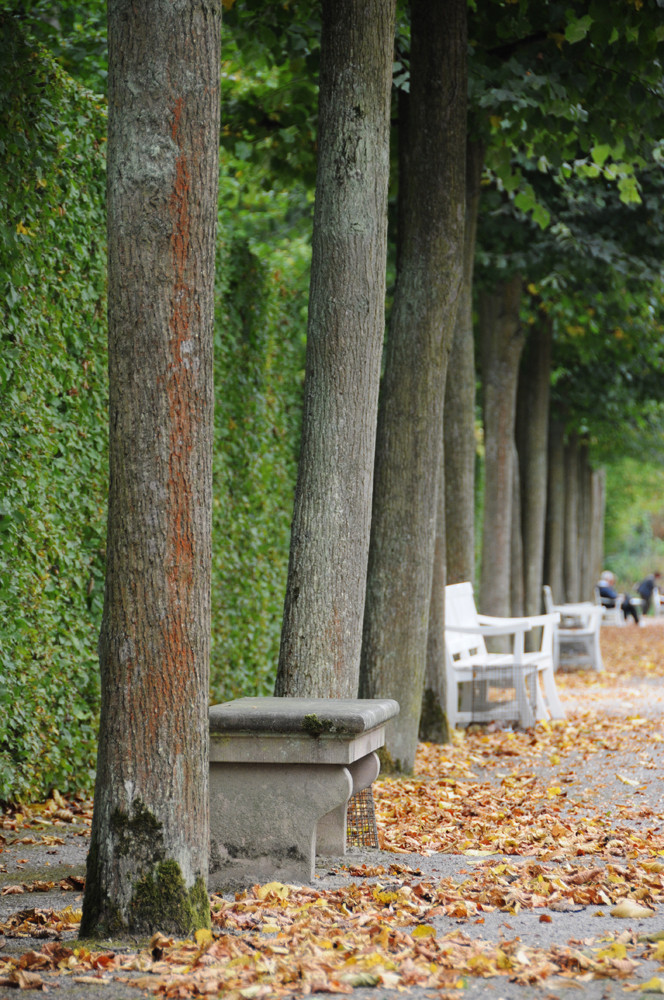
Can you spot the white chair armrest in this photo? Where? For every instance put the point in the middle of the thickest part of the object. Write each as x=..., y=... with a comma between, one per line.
x=550, y=619
x=513, y=628
x=510, y=624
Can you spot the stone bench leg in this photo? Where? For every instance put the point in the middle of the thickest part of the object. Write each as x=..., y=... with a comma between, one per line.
x=264, y=817
x=331, y=835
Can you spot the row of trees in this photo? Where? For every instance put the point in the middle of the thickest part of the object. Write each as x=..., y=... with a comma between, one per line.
x=538, y=173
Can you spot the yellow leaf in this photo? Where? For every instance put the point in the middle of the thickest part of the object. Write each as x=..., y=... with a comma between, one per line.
x=553, y=791
x=627, y=781
x=277, y=889
x=274, y=929
x=424, y=931
x=627, y=908
x=203, y=937
x=360, y=979
x=654, y=985
x=615, y=950
x=658, y=954
x=385, y=897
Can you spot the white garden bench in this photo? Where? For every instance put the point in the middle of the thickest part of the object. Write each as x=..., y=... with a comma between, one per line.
x=472, y=670
x=281, y=773
x=611, y=615
x=579, y=629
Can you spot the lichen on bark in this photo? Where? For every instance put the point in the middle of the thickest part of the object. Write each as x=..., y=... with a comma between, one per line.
x=139, y=834
x=161, y=899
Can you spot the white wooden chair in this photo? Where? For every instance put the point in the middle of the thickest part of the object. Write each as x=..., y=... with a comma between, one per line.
x=472, y=670
x=579, y=626
x=614, y=615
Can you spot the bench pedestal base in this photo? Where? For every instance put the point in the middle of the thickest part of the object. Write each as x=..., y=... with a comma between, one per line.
x=278, y=791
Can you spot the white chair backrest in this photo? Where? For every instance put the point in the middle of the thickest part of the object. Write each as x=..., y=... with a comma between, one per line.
x=548, y=599
x=460, y=610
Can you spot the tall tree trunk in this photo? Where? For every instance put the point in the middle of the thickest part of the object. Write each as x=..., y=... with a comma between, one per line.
x=516, y=543
x=433, y=718
x=459, y=417
x=148, y=859
x=322, y=626
x=501, y=342
x=571, y=551
x=555, y=511
x=532, y=433
x=586, y=583
x=598, y=492
x=409, y=444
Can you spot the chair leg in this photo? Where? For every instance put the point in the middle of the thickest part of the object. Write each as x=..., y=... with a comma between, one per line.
x=541, y=711
x=597, y=653
x=523, y=698
x=452, y=699
x=551, y=693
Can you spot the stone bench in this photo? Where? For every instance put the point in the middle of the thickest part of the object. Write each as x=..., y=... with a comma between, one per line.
x=281, y=773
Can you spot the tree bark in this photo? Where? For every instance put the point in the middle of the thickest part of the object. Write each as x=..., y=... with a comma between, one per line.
x=571, y=537
x=409, y=443
x=322, y=625
x=516, y=544
x=598, y=490
x=433, y=718
x=532, y=433
x=459, y=417
x=555, y=511
x=148, y=859
x=501, y=341
x=586, y=583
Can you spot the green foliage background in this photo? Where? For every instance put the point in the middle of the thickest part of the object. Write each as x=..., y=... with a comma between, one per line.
x=52, y=418
x=53, y=339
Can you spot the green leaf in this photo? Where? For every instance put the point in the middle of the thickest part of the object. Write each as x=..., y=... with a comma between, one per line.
x=600, y=154
x=577, y=30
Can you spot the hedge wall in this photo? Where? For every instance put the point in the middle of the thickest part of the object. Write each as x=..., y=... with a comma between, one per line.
x=52, y=418
x=53, y=391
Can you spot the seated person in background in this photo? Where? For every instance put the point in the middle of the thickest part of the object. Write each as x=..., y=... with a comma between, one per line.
x=609, y=596
x=645, y=590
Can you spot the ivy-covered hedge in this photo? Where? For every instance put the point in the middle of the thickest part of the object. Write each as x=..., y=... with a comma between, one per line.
x=53, y=422
x=259, y=369
x=52, y=419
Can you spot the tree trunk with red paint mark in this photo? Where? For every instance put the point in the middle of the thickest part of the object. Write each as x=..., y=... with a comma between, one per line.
x=147, y=866
x=322, y=626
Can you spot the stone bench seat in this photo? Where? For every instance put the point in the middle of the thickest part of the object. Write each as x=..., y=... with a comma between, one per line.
x=281, y=773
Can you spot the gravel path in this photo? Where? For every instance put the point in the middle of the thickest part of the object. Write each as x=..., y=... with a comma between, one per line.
x=626, y=785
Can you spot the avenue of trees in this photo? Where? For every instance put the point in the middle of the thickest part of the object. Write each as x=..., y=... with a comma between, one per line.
x=491, y=173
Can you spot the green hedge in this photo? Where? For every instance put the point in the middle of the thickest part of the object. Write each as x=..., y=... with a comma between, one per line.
x=52, y=418
x=259, y=369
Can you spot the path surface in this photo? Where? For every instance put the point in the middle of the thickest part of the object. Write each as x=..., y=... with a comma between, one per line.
x=497, y=813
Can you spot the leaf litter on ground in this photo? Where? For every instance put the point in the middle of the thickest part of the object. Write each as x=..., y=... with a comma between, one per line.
x=512, y=803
